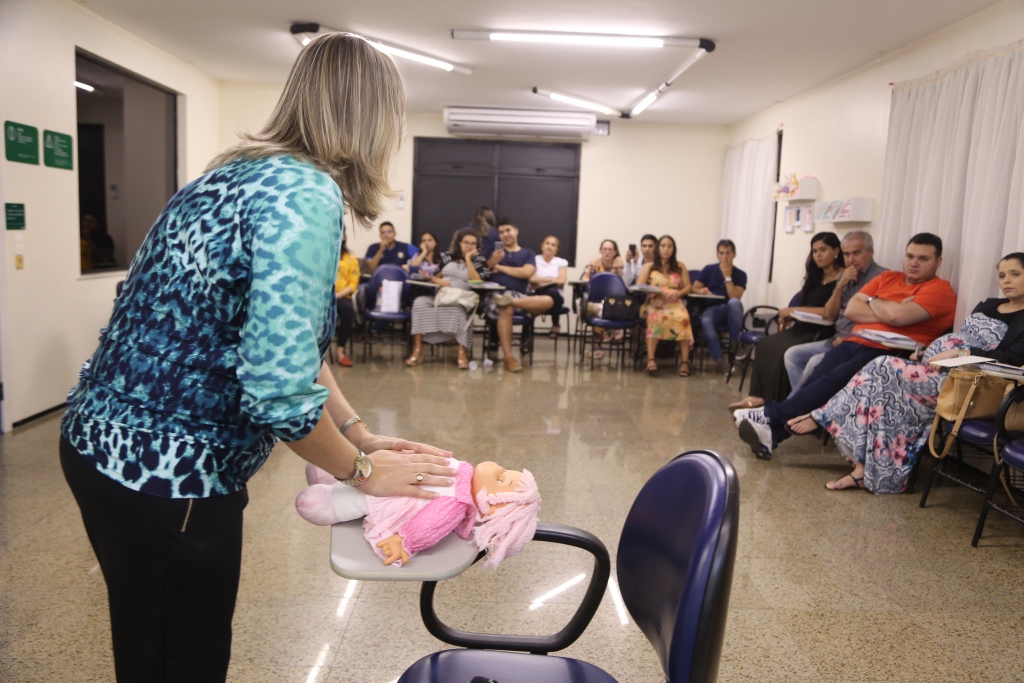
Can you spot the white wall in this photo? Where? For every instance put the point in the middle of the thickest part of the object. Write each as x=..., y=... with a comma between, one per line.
x=644, y=177
x=50, y=315
x=837, y=132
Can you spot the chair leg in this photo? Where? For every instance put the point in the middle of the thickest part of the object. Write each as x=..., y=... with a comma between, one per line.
x=993, y=481
x=928, y=481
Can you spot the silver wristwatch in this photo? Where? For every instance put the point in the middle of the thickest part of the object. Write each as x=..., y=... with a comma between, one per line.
x=364, y=468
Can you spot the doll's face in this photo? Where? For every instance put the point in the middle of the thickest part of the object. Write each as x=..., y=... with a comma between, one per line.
x=495, y=479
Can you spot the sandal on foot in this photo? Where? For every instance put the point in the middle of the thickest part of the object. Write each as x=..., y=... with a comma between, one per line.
x=802, y=425
x=748, y=403
x=652, y=367
x=686, y=372
x=553, y=334
x=856, y=483
x=415, y=359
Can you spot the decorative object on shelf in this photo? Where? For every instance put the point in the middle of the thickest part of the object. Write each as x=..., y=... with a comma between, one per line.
x=831, y=210
x=799, y=217
x=792, y=189
x=849, y=210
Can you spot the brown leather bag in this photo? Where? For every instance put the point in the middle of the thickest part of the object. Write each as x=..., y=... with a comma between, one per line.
x=969, y=395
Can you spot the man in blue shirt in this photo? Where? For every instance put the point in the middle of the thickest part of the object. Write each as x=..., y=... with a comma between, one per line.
x=512, y=267
x=725, y=280
x=388, y=250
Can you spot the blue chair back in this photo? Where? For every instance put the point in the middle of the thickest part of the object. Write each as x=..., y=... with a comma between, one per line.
x=675, y=562
x=797, y=300
x=694, y=276
x=603, y=285
x=388, y=271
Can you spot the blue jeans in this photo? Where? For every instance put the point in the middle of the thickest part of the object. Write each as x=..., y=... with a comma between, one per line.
x=802, y=359
x=727, y=316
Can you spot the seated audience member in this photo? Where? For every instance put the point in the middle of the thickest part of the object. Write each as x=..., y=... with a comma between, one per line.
x=97, y=246
x=439, y=324
x=914, y=303
x=634, y=262
x=608, y=262
x=388, y=251
x=665, y=313
x=859, y=254
x=768, y=376
x=726, y=280
x=485, y=227
x=549, y=278
x=428, y=259
x=345, y=284
x=512, y=266
x=881, y=419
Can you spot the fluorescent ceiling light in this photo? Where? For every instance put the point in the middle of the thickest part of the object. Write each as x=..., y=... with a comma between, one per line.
x=644, y=103
x=604, y=39
x=706, y=46
x=578, y=102
x=84, y=86
x=304, y=32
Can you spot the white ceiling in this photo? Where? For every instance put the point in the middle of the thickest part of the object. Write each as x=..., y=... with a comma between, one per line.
x=767, y=50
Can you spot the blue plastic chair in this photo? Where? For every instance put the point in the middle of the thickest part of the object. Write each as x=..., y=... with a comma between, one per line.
x=371, y=316
x=675, y=564
x=1010, y=456
x=600, y=286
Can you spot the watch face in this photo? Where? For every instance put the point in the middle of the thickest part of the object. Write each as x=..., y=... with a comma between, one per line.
x=363, y=466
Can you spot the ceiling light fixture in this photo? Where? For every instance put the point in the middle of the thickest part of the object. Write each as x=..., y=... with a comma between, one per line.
x=603, y=39
x=703, y=48
x=84, y=86
x=304, y=32
x=577, y=102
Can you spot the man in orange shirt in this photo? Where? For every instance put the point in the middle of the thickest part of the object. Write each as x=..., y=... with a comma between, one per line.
x=913, y=303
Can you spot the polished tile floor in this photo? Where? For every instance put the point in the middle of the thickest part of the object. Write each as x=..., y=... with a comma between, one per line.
x=828, y=586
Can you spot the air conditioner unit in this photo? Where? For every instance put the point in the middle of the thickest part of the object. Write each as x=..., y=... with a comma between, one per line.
x=519, y=123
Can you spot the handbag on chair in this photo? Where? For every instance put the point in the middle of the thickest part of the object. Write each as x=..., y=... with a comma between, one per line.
x=623, y=308
x=969, y=395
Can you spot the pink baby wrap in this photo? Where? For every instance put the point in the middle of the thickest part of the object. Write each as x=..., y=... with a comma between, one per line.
x=422, y=523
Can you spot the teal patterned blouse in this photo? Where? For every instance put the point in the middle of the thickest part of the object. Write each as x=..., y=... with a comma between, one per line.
x=215, y=343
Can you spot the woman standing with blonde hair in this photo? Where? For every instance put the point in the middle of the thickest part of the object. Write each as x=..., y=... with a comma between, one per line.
x=215, y=351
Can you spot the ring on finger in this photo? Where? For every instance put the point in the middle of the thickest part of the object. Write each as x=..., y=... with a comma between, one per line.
x=419, y=478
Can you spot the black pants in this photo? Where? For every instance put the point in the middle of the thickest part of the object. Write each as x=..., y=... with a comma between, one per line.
x=346, y=316
x=555, y=292
x=171, y=567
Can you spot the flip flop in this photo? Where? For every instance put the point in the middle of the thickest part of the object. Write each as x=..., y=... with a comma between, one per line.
x=856, y=483
x=747, y=403
x=801, y=428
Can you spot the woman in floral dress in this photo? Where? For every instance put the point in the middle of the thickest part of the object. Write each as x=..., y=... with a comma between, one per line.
x=882, y=418
x=665, y=312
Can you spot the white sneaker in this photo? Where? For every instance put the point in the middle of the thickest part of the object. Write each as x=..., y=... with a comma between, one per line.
x=758, y=437
x=753, y=414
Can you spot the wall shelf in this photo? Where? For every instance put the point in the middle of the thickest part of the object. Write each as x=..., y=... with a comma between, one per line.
x=849, y=210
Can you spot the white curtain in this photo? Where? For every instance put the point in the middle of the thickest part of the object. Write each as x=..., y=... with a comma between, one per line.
x=748, y=211
x=954, y=166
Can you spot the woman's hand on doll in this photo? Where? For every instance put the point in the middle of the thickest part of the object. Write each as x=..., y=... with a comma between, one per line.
x=403, y=473
x=393, y=550
x=367, y=443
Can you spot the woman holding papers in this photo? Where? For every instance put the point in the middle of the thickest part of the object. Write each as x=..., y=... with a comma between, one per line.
x=881, y=419
x=768, y=379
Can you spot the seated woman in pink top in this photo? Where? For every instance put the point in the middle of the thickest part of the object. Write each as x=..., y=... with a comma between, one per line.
x=502, y=504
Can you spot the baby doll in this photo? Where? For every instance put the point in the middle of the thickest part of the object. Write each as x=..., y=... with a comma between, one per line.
x=501, y=504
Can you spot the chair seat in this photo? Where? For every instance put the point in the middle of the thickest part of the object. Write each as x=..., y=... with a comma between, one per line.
x=450, y=666
x=392, y=317
x=751, y=337
x=611, y=324
x=980, y=432
x=1013, y=454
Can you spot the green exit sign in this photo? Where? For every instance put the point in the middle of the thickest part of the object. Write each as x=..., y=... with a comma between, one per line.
x=21, y=143
x=57, y=150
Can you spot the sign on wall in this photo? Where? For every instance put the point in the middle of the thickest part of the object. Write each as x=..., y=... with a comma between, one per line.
x=21, y=143
x=57, y=150
x=15, y=216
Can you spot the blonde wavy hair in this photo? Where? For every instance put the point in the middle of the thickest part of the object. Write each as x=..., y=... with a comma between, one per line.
x=343, y=110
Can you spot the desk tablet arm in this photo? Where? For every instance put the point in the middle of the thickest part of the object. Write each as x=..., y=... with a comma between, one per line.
x=541, y=645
